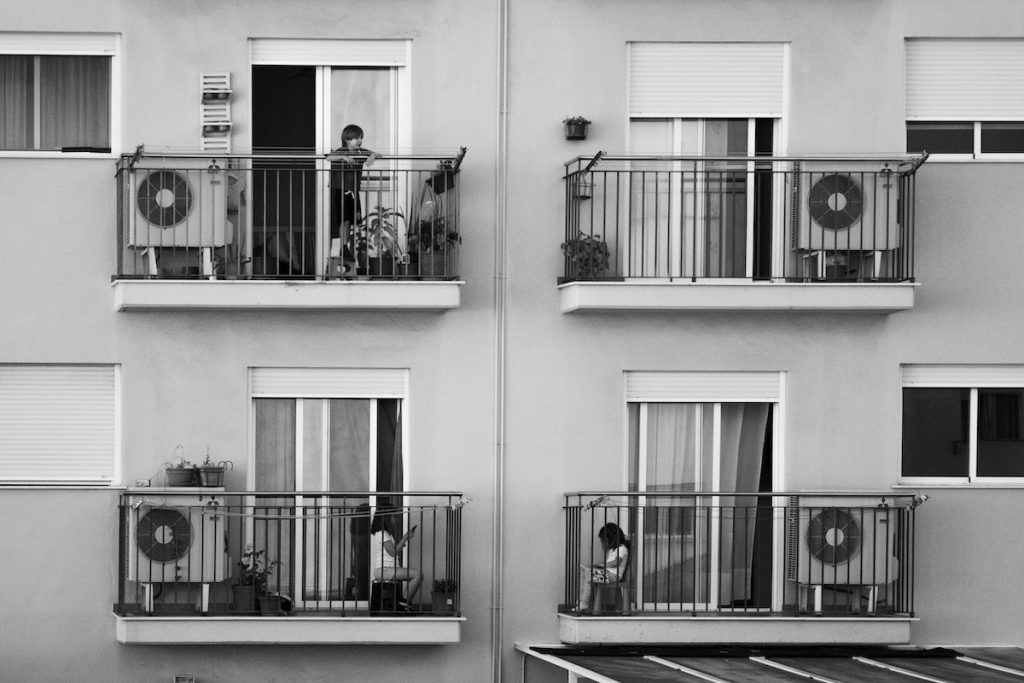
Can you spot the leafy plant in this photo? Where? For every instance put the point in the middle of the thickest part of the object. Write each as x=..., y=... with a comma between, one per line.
x=445, y=586
x=433, y=235
x=255, y=569
x=576, y=121
x=587, y=254
x=377, y=234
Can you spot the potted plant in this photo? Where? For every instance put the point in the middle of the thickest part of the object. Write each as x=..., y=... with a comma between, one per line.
x=180, y=472
x=212, y=473
x=377, y=244
x=254, y=572
x=575, y=127
x=587, y=255
x=443, y=596
x=432, y=242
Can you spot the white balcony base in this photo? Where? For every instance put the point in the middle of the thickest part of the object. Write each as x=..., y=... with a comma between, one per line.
x=212, y=630
x=685, y=629
x=737, y=295
x=143, y=295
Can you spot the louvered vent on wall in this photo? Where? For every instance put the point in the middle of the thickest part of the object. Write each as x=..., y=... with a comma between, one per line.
x=215, y=111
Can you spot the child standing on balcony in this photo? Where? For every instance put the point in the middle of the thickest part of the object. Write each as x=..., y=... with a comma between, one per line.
x=615, y=547
x=347, y=164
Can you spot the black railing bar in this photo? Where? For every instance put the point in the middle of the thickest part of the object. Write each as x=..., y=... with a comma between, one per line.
x=169, y=491
x=688, y=494
x=916, y=159
x=129, y=160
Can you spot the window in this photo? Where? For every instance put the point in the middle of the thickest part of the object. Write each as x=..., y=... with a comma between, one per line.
x=703, y=100
x=322, y=430
x=965, y=97
x=712, y=432
x=59, y=424
x=327, y=84
x=962, y=423
x=56, y=92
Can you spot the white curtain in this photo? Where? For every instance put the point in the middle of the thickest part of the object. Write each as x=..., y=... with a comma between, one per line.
x=16, y=130
x=74, y=102
x=676, y=549
x=742, y=446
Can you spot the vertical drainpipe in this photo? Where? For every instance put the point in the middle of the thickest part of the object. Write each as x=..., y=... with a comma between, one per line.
x=500, y=312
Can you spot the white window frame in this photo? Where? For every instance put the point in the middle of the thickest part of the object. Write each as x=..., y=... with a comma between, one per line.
x=72, y=44
x=974, y=378
x=714, y=388
x=68, y=423
x=961, y=97
x=319, y=384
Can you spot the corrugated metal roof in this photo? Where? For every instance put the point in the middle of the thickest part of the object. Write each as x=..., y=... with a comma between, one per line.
x=784, y=664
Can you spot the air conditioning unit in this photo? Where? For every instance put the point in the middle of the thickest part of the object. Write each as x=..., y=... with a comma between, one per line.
x=844, y=206
x=178, y=203
x=176, y=539
x=841, y=542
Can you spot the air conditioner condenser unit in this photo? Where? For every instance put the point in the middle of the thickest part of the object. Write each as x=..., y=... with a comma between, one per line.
x=844, y=206
x=178, y=202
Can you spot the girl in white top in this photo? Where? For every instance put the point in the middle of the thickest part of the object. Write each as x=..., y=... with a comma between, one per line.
x=615, y=546
x=384, y=553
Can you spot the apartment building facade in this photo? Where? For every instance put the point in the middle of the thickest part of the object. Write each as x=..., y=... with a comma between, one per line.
x=762, y=317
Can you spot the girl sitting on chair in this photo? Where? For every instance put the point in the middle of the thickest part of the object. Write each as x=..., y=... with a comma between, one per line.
x=615, y=547
x=384, y=552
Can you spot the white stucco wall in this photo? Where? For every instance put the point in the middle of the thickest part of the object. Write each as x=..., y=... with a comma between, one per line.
x=184, y=373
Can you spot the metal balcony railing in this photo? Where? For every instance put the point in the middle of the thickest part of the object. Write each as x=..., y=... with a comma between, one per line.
x=675, y=218
x=277, y=216
x=745, y=553
x=309, y=554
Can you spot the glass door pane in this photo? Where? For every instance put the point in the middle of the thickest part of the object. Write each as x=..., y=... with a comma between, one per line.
x=725, y=194
x=361, y=96
x=283, y=193
x=697, y=552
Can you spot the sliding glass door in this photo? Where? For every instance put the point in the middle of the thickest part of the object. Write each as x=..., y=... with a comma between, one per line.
x=700, y=552
x=313, y=445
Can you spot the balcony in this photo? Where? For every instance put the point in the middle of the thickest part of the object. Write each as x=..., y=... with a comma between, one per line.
x=287, y=232
x=739, y=233
x=193, y=567
x=770, y=567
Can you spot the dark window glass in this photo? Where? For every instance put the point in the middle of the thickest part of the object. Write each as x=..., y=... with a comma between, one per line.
x=935, y=432
x=1002, y=137
x=940, y=137
x=1000, y=449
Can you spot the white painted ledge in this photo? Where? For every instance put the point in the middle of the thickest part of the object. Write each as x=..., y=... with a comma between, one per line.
x=737, y=295
x=211, y=630
x=678, y=630
x=423, y=295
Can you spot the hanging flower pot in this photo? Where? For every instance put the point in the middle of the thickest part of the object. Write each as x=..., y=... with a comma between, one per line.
x=575, y=128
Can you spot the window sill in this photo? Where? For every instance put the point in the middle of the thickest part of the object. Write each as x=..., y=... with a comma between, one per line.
x=288, y=630
x=150, y=295
x=52, y=154
x=737, y=295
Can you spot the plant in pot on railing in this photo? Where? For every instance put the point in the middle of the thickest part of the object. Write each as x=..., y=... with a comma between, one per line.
x=433, y=242
x=250, y=589
x=377, y=245
x=587, y=255
x=443, y=596
x=180, y=472
x=212, y=473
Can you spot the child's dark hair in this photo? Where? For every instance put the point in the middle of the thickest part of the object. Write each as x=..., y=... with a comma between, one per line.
x=351, y=132
x=383, y=519
x=613, y=535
